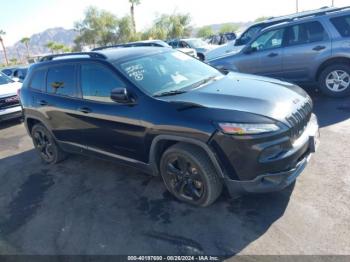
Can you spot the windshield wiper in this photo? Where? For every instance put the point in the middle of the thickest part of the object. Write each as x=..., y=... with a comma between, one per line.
x=170, y=93
x=202, y=82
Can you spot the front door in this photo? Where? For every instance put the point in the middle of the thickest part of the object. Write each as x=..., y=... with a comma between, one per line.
x=265, y=55
x=112, y=129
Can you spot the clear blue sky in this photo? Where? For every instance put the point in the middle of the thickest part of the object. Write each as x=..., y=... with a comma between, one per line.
x=20, y=18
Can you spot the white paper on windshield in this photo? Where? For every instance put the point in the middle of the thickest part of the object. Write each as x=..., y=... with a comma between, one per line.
x=178, y=78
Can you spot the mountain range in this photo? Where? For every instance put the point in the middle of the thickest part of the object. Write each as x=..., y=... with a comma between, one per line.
x=37, y=44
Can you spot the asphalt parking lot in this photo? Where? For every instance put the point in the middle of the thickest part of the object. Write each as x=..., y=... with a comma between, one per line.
x=89, y=206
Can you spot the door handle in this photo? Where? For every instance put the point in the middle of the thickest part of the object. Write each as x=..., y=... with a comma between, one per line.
x=85, y=110
x=272, y=54
x=319, y=48
x=42, y=103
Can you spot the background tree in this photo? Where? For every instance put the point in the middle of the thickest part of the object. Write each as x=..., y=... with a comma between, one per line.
x=205, y=32
x=57, y=48
x=101, y=28
x=14, y=61
x=180, y=25
x=66, y=49
x=133, y=3
x=170, y=26
x=228, y=28
x=262, y=18
x=3, y=46
x=126, y=31
x=50, y=45
x=25, y=41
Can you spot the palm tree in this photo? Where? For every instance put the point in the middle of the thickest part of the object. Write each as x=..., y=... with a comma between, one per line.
x=25, y=41
x=51, y=45
x=3, y=46
x=132, y=12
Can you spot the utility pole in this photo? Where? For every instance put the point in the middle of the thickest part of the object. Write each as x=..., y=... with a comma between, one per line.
x=332, y=3
x=297, y=6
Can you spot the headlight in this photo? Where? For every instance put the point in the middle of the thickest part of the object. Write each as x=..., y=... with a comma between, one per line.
x=247, y=129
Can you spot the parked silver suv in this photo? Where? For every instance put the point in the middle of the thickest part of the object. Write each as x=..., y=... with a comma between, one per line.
x=305, y=50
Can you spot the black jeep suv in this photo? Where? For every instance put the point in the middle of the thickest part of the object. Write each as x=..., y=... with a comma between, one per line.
x=171, y=115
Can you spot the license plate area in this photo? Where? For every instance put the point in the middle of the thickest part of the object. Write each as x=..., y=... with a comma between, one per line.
x=314, y=142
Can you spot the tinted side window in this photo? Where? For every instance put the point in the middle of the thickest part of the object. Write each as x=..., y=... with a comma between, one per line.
x=173, y=44
x=61, y=80
x=7, y=72
x=342, y=24
x=38, y=81
x=97, y=82
x=183, y=44
x=306, y=33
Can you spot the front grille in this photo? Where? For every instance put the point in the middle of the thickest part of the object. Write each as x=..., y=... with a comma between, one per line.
x=10, y=101
x=299, y=119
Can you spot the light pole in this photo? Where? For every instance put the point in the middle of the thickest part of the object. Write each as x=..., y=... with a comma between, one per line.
x=332, y=2
x=297, y=5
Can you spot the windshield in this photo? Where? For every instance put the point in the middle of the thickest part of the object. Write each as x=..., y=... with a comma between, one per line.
x=5, y=79
x=196, y=43
x=167, y=72
x=248, y=35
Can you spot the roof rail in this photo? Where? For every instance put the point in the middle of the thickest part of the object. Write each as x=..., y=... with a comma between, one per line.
x=107, y=47
x=317, y=12
x=90, y=54
x=323, y=11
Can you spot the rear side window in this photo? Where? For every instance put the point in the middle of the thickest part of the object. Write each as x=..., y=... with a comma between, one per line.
x=38, y=81
x=342, y=24
x=173, y=44
x=61, y=80
x=97, y=82
x=306, y=33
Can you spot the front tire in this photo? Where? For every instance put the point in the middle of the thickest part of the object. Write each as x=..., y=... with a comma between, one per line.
x=189, y=175
x=201, y=57
x=46, y=145
x=334, y=80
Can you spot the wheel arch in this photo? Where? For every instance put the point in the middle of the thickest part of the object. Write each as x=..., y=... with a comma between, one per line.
x=30, y=121
x=163, y=142
x=328, y=62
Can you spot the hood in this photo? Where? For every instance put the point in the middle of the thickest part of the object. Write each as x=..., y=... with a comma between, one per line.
x=220, y=52
x=205, y=48
x=247, y=93
x=9, y=89
x=186, y=50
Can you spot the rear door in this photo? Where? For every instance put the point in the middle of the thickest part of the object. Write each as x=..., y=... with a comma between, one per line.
x=58, y=103
x=306, y=44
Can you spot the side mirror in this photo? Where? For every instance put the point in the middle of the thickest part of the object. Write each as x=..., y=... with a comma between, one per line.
x=248, y=50
x=120, y=95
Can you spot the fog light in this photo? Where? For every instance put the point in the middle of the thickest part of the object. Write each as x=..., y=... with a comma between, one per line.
x=271, y=153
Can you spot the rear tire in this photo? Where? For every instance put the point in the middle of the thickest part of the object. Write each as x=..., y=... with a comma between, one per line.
x=201, y=56
x=189, y=174
x=46, y=145
x=334, y=80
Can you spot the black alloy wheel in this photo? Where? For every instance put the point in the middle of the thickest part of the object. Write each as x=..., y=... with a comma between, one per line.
x=43, y=141
x=189, y=175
